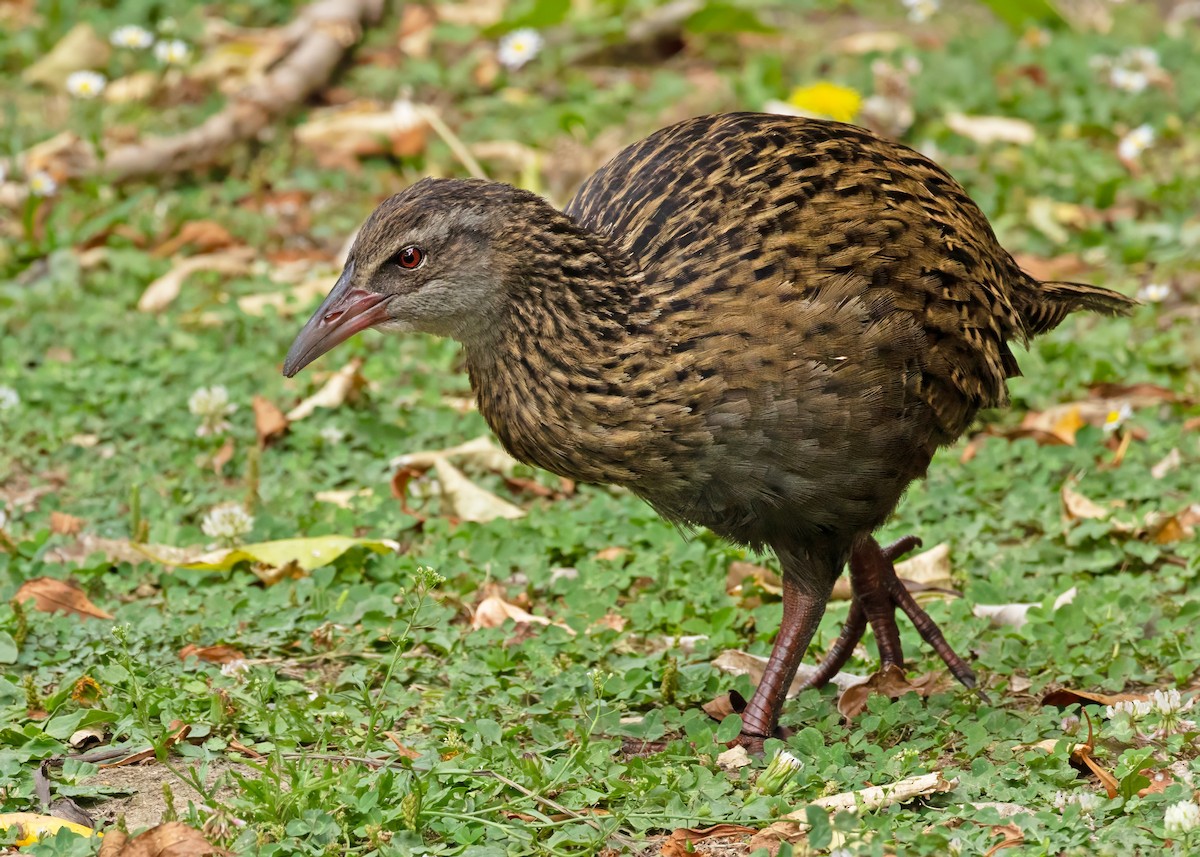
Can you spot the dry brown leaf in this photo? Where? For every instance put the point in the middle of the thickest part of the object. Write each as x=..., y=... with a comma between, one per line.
x=892, y=683
x=219, y=654
x=467, y=501
x=222, y=456
x=736, y=662
x=171, y=839
x=493, y=611
x=681, y=841
x=870, y=42
x=1079, y=507
x=1013, y=838
x=793, y=827
x=733, y=758
x=763, y=578
x=64, y=524
x=285, y=303
x=161, y=293
x=1017, y=615
x=481, y=452
x=51, y=595
x=340, y=387
x=269, y=422
x=343, y=499
x=610, y=553
x=80, y=49
x=1170, y=461
x=416, y=30
x=992, y=129
x=402, y=749
x=339, y=136
x=1065, y=696
x=1159, y=780
x=1057, y=425
x=205, y=236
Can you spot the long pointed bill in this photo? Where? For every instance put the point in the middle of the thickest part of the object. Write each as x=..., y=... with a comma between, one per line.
x=344, y=313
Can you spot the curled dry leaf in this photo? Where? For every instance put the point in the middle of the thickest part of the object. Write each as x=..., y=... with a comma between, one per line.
x=304, y=553
x=610, y=553
x=736, y=662
x=1066, y=696
x=50, y=595
x=992, y=129
x=64, y=524
x=286, y=303
x=467, y=501
x=161, y=293
x=172, y=839
x=205, y=236
x=493, y=611
x=339, y=136
x=479, y=452
x=1170, y=461
x=1078, y=507
x=80, y=49
x=343, y=499
x=341, y=386
x=1017, y=615
x=892, y=683
x=211, y=654
x=733, y=758
x=681, y=842
x=269, y=422
x=741, y=572
x=794, y=828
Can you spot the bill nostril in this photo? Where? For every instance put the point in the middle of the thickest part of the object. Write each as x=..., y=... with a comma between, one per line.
x=333, y=316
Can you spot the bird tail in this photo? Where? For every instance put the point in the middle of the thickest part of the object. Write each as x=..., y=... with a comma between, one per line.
x=1050, y=302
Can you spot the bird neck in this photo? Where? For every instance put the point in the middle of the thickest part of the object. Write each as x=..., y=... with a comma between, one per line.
x=550, y=372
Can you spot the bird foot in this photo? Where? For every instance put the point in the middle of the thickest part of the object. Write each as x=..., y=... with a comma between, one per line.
x=878, y=593
x=752, y=735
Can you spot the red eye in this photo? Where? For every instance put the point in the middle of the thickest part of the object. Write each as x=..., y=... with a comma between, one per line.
x=410, y=257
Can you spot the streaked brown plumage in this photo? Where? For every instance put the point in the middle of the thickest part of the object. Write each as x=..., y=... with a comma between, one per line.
x=759, y=324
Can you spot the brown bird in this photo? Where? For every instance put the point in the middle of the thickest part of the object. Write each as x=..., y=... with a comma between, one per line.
x=759, y=324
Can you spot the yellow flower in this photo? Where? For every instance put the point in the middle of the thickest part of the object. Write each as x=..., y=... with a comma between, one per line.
x=827, y=99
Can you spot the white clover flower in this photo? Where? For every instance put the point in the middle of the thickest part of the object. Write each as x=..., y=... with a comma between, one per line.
x=920, y=11
x=86, y=84
x=212, y=405
x=332, y=435
x=1128, y=79
x=518, y=48
x=131, y=36
x=9, y=398
x=1069, y=724
x=1154, y=293
x=1135, y=708
x=1131, y=146
x=172, y=52
x=227, y=523
x=234, y=668
x=1141, y=57
x=1171, y=702
x=41, y=183
x=1181, y=817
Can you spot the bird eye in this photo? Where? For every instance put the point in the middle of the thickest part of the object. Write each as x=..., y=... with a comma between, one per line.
x=410, y=257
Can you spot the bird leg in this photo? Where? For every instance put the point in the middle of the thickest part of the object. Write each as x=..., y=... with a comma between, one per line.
x=802, y=611
x=878, y=592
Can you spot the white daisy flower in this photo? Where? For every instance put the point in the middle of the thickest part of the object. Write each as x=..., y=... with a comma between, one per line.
x=920, y=11
x=131, y=36
x=1131, y=146
x=518, y=48
x=172, y=52
x=41, y=183
x=9, y=398
x=227, y=523
x=86, y=84
x=1154, y=293
x=1181, y=817
x=212, y=405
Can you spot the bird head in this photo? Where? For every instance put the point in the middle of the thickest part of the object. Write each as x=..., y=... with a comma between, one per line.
x=431, y=259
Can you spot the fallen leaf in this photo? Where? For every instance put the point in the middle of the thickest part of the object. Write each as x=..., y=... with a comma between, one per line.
x=1017, y=615
x=992, y=129
x=735, y=662
x=51, y=595
x=64, y=524
x=1013, y=838
x=333, y=393
x=171, y=839
x=343, y=499
x=222, y=456
x=211, y=654
x=285, y=303
x=493, y=611
x=681, y=841
x=1065, y=697
x=206, y=236
x=733, y=758
x=481, y=452
x=30, y=827
x=467, y=501
x=161, y=293
x=610, y=553
x=741, y=572
x=269, y=422
x=339, y=136
x=891, y=682
x=794, y=828
x=79, y=50
x=1170, y=461
x=1159, y=780
x=1079, y=507
x=871, y=42
x=402, y=749
x=305, y=553
x=1057, y=425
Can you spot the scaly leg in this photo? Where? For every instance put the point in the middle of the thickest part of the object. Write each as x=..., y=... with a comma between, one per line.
x=877, y=594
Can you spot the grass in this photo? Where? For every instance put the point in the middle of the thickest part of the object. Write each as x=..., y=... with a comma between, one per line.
x=498, y=723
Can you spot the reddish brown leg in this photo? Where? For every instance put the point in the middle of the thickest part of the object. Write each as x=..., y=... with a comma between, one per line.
x=802, y=612
x=877, y=594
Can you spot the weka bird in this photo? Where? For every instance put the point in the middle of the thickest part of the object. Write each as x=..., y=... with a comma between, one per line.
x=759, y=324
